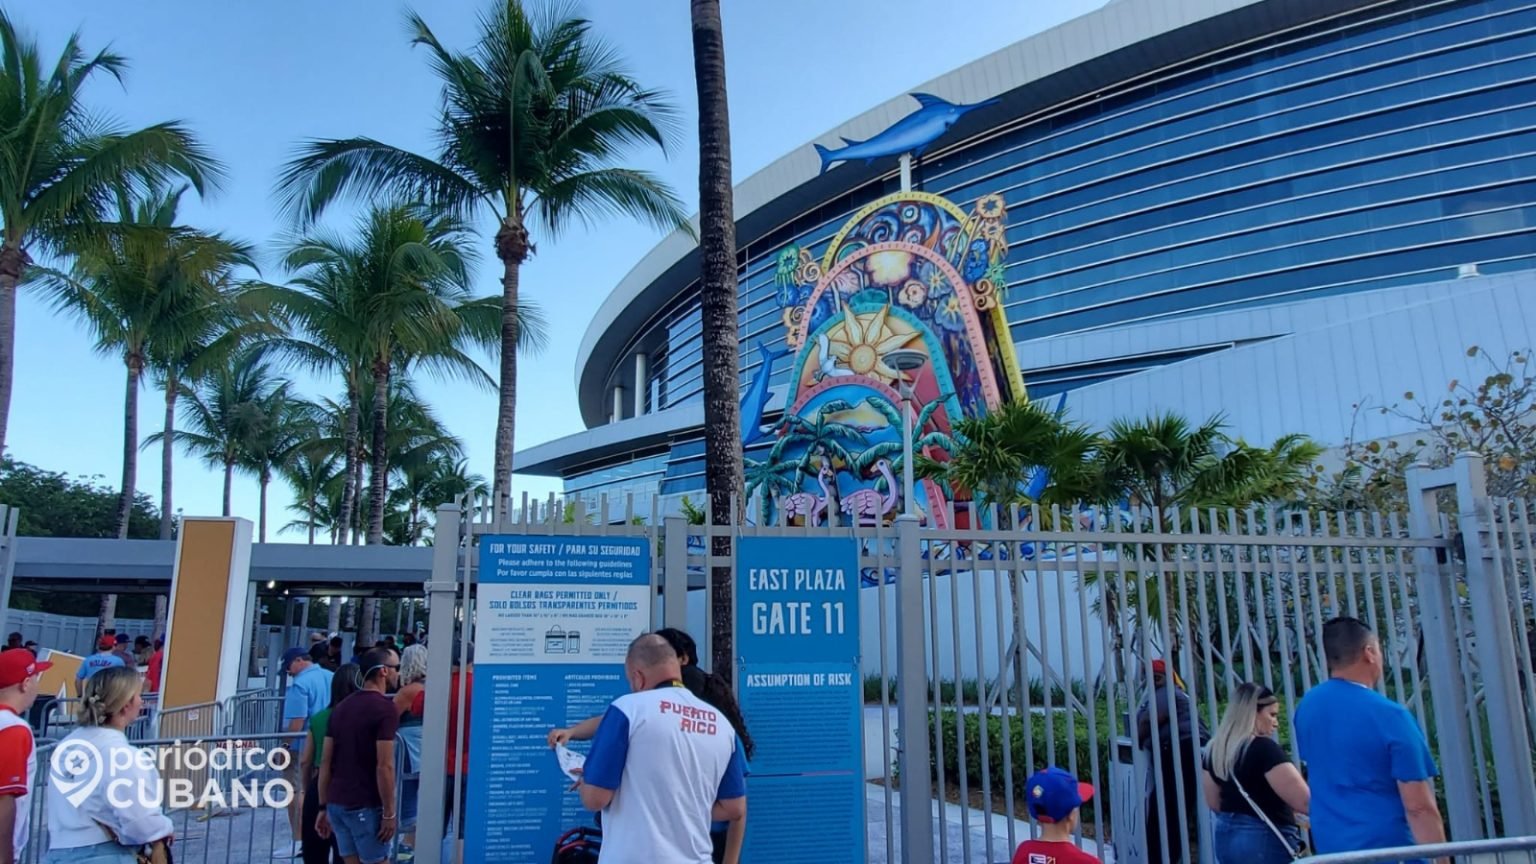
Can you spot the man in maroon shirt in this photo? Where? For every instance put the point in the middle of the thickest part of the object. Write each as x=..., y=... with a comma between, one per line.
x=357, y=766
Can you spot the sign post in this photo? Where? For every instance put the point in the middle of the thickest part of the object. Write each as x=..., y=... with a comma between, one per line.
x=797, y=634
x=554, y=617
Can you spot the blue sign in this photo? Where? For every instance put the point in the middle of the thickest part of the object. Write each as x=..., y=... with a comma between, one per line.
x=797, y=639
x=554, y=617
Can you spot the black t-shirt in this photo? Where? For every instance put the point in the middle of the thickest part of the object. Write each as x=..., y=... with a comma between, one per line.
x=1261, y=754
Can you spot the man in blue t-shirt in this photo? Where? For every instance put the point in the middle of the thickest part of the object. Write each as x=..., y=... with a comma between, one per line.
x=102, y=659
x=662, y=764
x=1369, y=768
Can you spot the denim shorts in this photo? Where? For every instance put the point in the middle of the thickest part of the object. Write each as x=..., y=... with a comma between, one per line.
x=357, y=833
x=1243, y=839
x=98, y=853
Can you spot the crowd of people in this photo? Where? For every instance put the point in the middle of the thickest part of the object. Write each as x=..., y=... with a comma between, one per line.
x=1368, y=783
x=680, y=746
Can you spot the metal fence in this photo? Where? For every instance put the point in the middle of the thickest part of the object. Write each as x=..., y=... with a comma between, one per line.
x=210, y=832
x=1507, y=850
x=1019, y=638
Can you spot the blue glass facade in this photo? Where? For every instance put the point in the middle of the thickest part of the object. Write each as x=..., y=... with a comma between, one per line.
x=1381, y=148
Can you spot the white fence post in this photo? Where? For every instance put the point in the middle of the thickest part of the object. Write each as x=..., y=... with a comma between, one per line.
x=913, y=757
x=1442, y=647
x=442, y=594
x=674, y=573
x=1496, y=647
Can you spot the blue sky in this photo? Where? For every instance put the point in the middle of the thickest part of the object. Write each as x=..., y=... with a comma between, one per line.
x=254, y=78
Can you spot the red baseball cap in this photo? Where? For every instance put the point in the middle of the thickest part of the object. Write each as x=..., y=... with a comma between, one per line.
x=106, y=643
x=1159, y=667
x=19, y=664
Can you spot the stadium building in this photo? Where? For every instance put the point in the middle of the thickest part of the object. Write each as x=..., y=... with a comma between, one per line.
x=1270, y=209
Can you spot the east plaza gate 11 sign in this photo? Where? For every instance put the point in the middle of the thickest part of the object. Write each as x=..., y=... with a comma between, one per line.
x=554, y=617
x=797, y=639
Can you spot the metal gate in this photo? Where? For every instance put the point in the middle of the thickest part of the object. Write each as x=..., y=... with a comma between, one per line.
x=1025, y=638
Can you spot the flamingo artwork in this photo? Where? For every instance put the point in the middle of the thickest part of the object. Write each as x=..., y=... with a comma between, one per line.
x=866, y=505
x=810, y=506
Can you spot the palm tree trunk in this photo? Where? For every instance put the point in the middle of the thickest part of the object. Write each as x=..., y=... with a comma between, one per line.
x=162, y=604
x=167, y=451
x=130, y=445
x=333, y=615
x=379, y=471
x=13, y=262
x=229, y=484
x=722, y=351
x=261, y=531
x=314, y=504
x=512, y=249
x=106, y=614
x=349, y=447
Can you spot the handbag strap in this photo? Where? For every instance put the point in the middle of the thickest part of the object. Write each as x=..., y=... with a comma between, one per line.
x=1294, y=853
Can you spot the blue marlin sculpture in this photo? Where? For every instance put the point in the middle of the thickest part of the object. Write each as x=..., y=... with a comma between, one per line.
x=755, y=400
x=911, y=134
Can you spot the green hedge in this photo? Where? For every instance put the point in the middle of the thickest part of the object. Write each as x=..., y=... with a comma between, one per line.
x=1035, y=728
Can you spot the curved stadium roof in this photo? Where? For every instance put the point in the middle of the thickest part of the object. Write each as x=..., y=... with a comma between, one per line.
x=1111, y=46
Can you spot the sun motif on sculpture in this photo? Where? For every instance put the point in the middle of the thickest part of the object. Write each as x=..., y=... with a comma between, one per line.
x=860, y=342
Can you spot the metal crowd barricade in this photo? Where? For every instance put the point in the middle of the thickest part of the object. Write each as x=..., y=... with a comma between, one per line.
x=407, y=782
x=251, y=713
x=1504, y=850
x=244, y=830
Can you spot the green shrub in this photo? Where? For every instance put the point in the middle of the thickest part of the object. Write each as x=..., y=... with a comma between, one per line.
x=1036, y=726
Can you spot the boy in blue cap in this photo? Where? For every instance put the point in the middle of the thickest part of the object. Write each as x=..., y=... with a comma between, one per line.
x=1053, y=797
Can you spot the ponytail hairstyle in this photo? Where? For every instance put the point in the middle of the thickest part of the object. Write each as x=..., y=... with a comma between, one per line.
x=681, y=643
x=108, y=692
x=718, y=694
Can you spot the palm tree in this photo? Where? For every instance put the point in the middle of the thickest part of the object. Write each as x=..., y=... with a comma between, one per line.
x=283, y=424
x=998, y=452
x=314, y=475
x=141, y=284
x=61, y=165
x=534, y=118
x=394, y=298
x=1161, y=462
x=717, y=293
x=134, y=285
x=223, y=413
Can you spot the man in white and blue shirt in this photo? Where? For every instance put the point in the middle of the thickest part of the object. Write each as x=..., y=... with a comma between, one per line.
x=663, y=764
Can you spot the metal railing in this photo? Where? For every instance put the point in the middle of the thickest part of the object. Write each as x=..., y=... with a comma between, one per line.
x=219, y=827
x=1031, y=636
x=1505, y=850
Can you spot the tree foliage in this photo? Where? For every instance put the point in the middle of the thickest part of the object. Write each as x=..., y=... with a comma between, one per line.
x=54, y=504
x=1494, y=416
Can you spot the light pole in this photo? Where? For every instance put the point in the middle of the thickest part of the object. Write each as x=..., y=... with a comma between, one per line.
x=906, y=360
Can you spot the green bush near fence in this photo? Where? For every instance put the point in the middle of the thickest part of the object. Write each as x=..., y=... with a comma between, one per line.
x=1025, y=740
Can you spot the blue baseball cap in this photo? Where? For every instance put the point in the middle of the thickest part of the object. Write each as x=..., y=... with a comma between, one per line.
x=1053, y=794
x=291, y=655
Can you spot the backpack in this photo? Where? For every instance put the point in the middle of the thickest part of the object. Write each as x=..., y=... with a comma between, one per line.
x=578, y=846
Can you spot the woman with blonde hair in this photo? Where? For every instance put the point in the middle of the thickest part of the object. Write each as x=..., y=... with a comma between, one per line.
x=120, y=811
x=1252, y=787
x=413, y=676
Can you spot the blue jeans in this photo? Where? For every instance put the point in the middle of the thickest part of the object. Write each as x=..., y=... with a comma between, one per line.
x=1243, y=839
x=357, y=833
x=97, y=853
x=410, y=789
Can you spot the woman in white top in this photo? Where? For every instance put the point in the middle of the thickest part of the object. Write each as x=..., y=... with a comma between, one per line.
x=104, y=793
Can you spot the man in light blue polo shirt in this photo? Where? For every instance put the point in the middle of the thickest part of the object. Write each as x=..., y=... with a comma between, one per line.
x=308, y=694
x=1369, y=768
